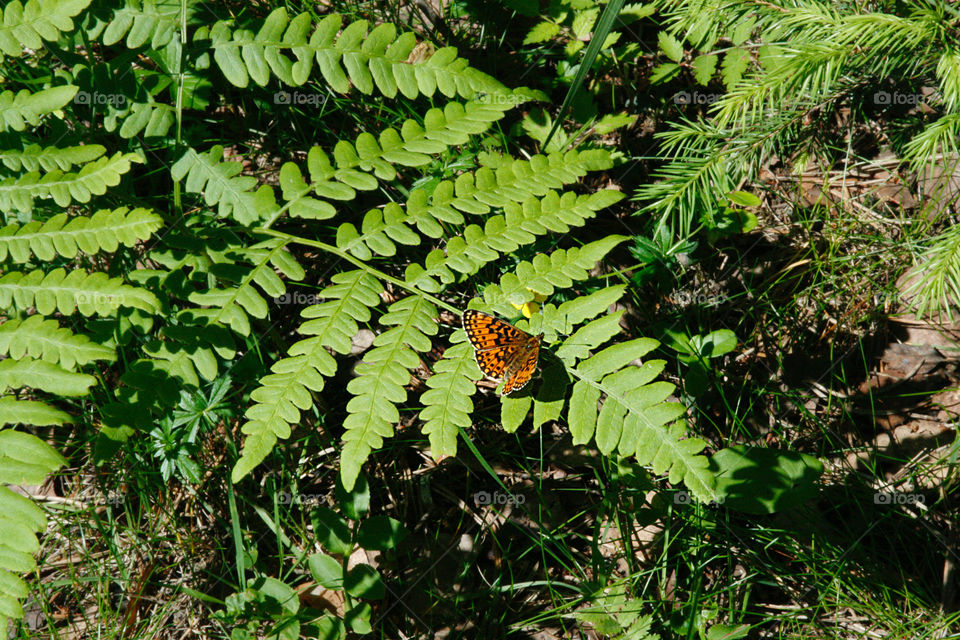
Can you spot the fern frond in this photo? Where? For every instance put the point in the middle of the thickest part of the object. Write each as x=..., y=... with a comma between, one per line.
x=353, y=163
x=27, y=108
x=14, y=411
x=615, y=404
x=377, y=59
x=35, y=157
x=230, y=306
x=25, y=459
x=546, y=272
x=634, y=410
x=206, y=173
x=285, y=391
x=65, y=188
x=27, y=26
x=381, y=378
x=20, y=520
x=520, y=225
x=142, y=21
x=447, y=403
x=42, y=375
x=105, y=230
x=152, y=119
x=89, y=294
x=47, y=340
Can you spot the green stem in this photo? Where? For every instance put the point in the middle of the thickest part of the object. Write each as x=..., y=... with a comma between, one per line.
x=323, y=246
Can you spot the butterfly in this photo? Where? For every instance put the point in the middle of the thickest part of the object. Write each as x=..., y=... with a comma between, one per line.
x=502, y=351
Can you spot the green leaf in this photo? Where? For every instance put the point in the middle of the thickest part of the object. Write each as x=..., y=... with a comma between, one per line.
x=377, y=389
x=355, y=502
x=26, y=459
x=760, y=480
x=332, y=531
x=744, y=199
x=381, y=533
x=704, y=67
x=363, y=581
x=541, y=33
x=282, y=594
x=582, y=414
x=358, y=618
x=326, y=570
x=664, y=72
x=728, y=631
x=583, y=23
x=613, y=121
x=734, y=64
x=717, y=343
x=37, y=374
x=670, y=46
x=14, y=411
x=742, y=30
x=513, y=411
x=447, y=403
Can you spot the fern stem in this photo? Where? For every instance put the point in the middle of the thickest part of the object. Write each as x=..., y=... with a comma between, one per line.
x=380, y=275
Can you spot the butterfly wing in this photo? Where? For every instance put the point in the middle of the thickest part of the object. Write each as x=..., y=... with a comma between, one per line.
x=502, y=350
x=524, y=371
x=487, y=332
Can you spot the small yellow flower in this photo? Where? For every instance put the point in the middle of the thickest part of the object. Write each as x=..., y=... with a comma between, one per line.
x=530, y=308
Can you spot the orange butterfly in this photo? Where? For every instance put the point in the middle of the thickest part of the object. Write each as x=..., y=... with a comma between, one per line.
x=503, y=351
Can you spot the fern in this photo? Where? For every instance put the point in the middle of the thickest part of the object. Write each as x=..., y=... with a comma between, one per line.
x=34, y=157
x=27, y=26
x=65, y=188
x=384, y=371
x=221, y=185
x=381, y=378
x=67, y=293
x=377, y=59
x=284, y=392
x=232, y=306
x=150, y=20
x=13, y=411
x=45, y=339
x=20, y=519
x=105, y=230
x=25, y=108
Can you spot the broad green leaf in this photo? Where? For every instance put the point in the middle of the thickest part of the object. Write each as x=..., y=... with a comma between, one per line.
x=363, y=581
x=380, y=533
x=759, y=480
x=326, y=570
